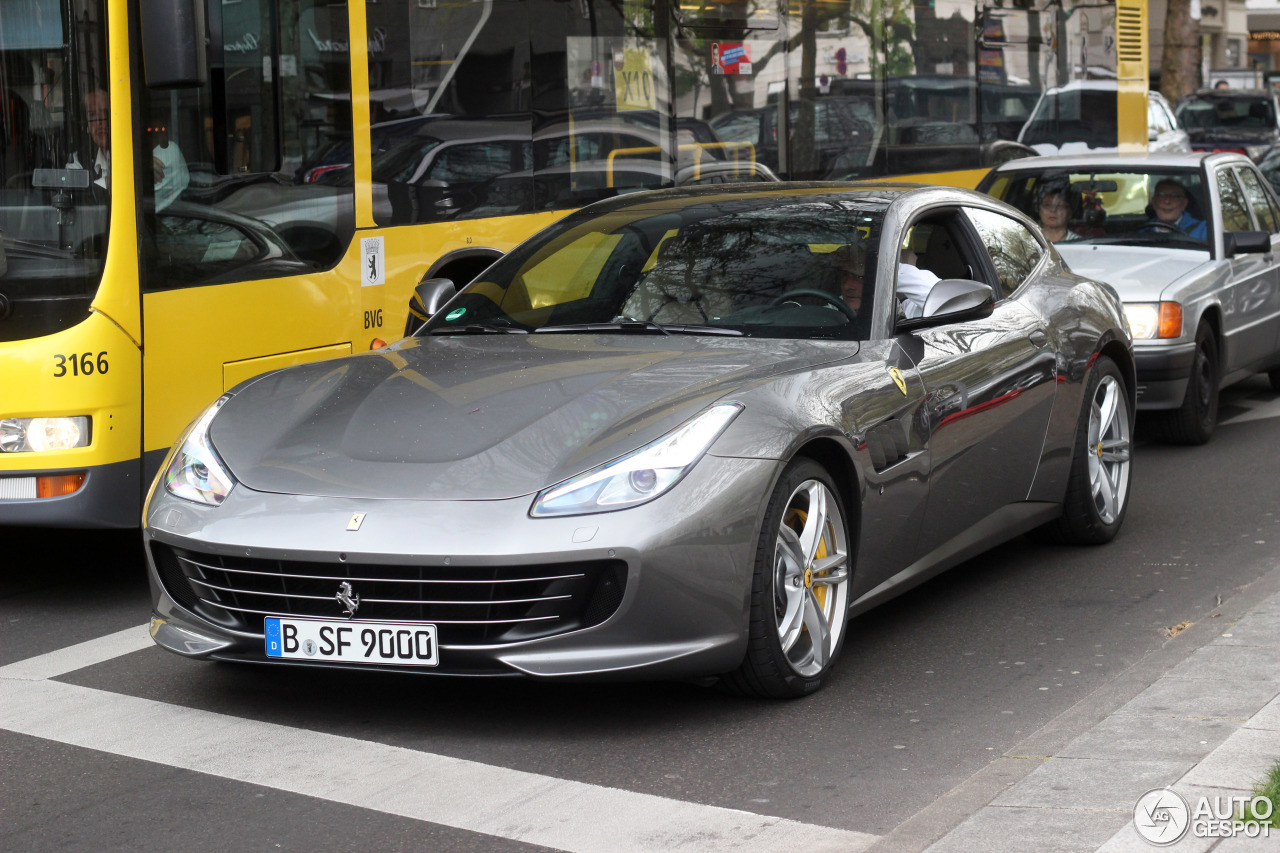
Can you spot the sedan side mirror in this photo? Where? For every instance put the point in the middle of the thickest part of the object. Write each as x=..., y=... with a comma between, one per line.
x=427, y=298
x=953, y=300
x=1246, y=242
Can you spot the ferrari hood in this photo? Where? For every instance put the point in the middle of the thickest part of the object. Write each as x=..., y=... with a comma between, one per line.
x=482, y=417
x=1136, y=272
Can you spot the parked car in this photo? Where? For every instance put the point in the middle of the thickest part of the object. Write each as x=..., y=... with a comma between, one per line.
x=678, y=433
x=1203, y=300
x=1246, y=121
x=1082, y=116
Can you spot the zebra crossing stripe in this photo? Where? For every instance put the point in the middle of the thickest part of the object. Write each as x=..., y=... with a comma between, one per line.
x=468, y=795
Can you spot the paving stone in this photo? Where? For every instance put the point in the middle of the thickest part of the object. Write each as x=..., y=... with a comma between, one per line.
x=1127, y=840
x=1231, y=663
x=1255, y=629
x=1090, y=783
x=1201, y=698
x=1243, y=844
x=1267, y=718
x=1149, y=739
x=1042, y=830
x=1242, y=760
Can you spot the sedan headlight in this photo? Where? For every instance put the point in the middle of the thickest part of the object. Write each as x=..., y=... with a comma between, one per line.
x=1150, y=320
x=641, y=475
x=194, y=471
x=24, y=435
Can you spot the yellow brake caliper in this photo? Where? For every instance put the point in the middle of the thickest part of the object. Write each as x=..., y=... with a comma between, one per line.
x=795, y=520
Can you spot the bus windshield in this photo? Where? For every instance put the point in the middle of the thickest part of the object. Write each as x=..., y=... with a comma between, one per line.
x=55, y=156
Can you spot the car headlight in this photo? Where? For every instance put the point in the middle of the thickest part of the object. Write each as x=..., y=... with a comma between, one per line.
x=194, y=471
x=25, y=435
x=641, y=475
x=1150, y=320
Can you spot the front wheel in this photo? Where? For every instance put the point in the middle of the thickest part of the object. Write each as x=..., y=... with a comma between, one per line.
x=1194, y=421
x=800, y=588
x=1098, y=487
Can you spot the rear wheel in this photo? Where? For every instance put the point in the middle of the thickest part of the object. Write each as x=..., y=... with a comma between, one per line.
x=800, y=588
x=1193, y=422
x=1098, y=488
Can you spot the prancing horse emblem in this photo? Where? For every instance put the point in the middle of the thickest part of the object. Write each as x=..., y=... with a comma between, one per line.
x=349, y=600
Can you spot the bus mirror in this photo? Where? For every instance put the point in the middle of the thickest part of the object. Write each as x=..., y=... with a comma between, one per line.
x=173, y=43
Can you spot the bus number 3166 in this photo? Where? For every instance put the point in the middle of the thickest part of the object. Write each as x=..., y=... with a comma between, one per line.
x=83, y=364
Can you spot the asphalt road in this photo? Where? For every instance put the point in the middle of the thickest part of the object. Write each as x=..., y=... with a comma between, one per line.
x=931, y=687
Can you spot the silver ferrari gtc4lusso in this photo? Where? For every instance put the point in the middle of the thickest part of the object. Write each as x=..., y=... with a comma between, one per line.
x=678, y=434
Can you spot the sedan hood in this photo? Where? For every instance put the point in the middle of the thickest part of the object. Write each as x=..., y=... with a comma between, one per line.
x=1136, y=272
x=482, y=417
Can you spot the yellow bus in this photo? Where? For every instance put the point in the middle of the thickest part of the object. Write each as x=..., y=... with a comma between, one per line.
x=194, y=192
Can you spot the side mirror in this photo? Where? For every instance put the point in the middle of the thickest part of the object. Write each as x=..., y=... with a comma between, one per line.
x=1246, y=242
x=173, y=43
x=427, y=298
x=953, y=300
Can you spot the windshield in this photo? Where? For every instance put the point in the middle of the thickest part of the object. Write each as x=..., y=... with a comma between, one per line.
x=1133, y=206
x=55, y=172
x=1079, y=115
x=1206, y=111
x=769, y=266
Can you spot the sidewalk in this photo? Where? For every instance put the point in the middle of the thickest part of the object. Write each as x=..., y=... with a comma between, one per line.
x=1208, y=726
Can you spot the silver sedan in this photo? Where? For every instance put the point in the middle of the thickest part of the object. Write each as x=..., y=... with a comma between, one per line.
x=1190, y=241
x=677, y=434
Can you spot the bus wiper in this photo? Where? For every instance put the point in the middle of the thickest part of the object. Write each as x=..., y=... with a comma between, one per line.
x=478, y=329
x=638, y=327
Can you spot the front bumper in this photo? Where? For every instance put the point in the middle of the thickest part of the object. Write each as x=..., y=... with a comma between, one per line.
x=683, y=612
x=111, y=497
x=1163, y=373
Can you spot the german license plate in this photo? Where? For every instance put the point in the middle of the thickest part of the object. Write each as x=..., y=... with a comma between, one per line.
x=347, y=641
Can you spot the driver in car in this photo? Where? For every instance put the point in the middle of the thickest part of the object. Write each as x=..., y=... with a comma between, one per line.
x=1169, y=201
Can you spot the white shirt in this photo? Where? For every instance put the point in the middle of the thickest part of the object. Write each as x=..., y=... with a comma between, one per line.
x=913, y=289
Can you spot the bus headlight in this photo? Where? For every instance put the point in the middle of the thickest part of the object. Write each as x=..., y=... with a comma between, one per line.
x=641, y=475
x=24, y=435
x=194, y=472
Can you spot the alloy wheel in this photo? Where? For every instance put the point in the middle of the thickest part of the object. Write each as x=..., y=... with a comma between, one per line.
x=1110, y=443
x=811, y=578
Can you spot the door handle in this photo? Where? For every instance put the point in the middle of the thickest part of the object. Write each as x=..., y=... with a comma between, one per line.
x=1038, y=337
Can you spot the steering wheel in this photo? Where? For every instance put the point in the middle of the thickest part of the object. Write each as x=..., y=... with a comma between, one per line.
x=835, y=301
x=1156, y=223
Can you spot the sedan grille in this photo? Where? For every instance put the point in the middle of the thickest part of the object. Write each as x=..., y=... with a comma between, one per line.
x=477, y=605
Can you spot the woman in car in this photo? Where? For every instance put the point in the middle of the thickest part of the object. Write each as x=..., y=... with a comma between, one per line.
x=1054, y=211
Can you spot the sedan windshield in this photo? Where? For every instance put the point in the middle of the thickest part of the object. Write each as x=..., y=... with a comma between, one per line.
x=766, y=266
x=1115, y=205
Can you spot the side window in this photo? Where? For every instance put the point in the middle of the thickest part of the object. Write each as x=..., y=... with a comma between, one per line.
x=1257, y=196
x=235, y=191
x=1235, y=214
x=1014, y=250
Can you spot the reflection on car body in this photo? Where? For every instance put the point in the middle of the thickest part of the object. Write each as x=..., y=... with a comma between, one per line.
x=656, y=430
x=1202, y=295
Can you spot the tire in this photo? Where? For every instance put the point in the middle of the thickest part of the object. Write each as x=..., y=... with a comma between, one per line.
x=1098, y=486
x=1274, y=375
x=799, y=589
x=1194, y=421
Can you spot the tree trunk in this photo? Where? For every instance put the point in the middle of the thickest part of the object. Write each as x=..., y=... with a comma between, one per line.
x=1180, y=63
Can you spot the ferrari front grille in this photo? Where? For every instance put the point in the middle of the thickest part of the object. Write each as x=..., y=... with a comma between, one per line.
x=474, y=605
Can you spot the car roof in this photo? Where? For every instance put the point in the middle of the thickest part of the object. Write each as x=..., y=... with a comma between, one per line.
x=1194, y=160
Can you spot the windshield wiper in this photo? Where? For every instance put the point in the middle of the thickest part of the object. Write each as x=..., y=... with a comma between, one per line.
x=478, y=329
x=638, y=327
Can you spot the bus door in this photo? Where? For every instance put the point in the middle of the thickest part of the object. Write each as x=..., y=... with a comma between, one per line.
x=244, y=265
